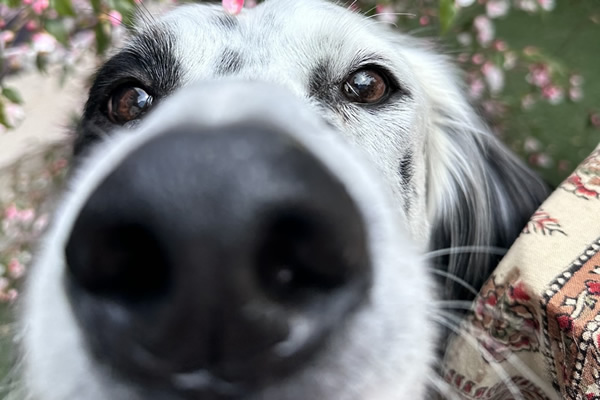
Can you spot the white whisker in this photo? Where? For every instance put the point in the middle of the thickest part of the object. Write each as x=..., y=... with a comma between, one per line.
x=472, y=341
x=465, y=249
x=512, y=359
x=451, y=277
x=443, y=388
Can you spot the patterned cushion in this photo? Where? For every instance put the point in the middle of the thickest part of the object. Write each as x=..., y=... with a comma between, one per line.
x=536, y=322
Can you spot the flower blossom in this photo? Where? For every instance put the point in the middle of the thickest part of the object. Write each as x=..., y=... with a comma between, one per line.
x=233, y=7
x=386, y=14
x=539, y=75
x=547, y=5
x=553, y=94
x=115, y=18
x=494, y=77
x=497, y=8
x=38, y=6
x=485, y=30
x=463, y=3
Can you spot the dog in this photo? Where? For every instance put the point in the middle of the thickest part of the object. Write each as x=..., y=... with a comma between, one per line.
x=253, y=207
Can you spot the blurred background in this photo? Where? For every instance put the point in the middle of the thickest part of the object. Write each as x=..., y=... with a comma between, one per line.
x=531, y=67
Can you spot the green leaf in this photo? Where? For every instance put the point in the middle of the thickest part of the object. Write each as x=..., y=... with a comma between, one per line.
x=12, y=95
x=63, y=8
x=11, y=3
x=103, y=37
x=41, y=62
x=127, y=9
x=96, y=6
x=447, y=11
x=57, y=29
x=3, y=120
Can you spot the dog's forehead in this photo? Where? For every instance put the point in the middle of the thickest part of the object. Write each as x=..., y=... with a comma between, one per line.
x=276, y=39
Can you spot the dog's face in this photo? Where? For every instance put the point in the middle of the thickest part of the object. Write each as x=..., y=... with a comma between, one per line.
x=236, y=225
x=220, y=240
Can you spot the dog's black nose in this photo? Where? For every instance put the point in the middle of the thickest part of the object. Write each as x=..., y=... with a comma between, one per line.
x=216, y=261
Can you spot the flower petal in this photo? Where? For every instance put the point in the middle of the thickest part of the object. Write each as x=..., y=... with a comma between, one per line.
x=233, y=7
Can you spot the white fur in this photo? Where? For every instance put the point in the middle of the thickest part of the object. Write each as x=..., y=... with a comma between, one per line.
x=385, y=351
x=57, y=367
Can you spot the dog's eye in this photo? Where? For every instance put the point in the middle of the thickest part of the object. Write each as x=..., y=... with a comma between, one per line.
x=128, y=103
x=366, y=86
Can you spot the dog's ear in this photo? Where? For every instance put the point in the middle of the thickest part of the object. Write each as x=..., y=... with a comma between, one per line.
x=480, y=195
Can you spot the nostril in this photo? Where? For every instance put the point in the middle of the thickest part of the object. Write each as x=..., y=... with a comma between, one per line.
x=298, y=257
x=120, y=261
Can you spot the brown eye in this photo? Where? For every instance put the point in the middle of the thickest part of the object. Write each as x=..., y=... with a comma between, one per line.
x=366, y=86
x=128, y=103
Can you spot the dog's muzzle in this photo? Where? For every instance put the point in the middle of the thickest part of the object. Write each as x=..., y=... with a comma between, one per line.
x=215, y=258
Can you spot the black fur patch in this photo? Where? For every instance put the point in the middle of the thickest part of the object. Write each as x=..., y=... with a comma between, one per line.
x=227, y=22
x=406, y=168
x=320, y=78
x=149, y=62
x=230, y=62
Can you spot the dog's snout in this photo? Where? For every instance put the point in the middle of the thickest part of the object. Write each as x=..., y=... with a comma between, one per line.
x=231, y=253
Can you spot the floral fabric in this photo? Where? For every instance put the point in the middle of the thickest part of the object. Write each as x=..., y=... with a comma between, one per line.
x=534, y=330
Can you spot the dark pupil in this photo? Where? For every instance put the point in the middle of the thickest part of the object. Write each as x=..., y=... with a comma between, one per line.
x=363, y=83
x=365, y=87
x=131, y=103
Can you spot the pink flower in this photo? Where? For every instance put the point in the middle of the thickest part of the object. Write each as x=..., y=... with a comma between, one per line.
x=500, y=45
x=11, y=213
x=40, y=223
x=476, y=88
x=478, y=58
x=575, y=94
x=540, y=160
x=527, y=5
x=31, y=25
x=115, y=18
x=547, y=5
x=386, y=14
x=38, y=6
x=553, y=94
x=494, y=77
x=424, y=20
x=576, y=80
x=233, y=7
x=485, y=30
x=7, y=36
x=27, y=215
x=532, y=144
x=497, y=8
x=43, y=43
x=539, y=75
x=15, y=269
x=15, y=114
